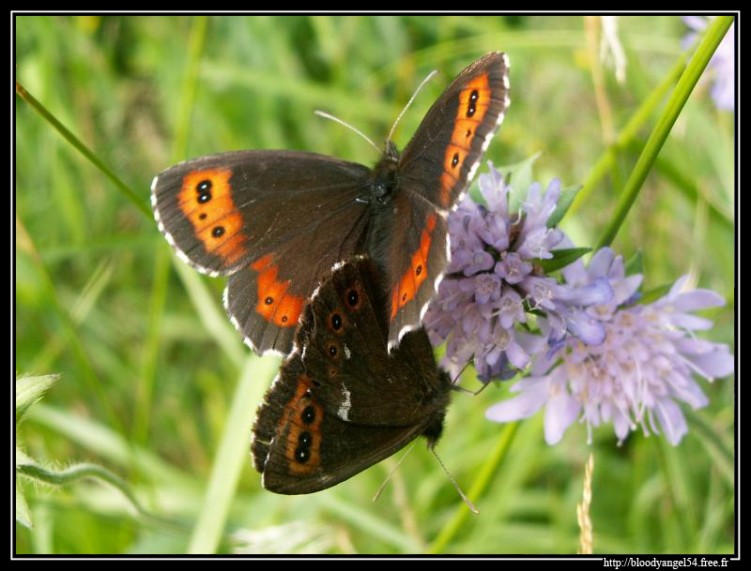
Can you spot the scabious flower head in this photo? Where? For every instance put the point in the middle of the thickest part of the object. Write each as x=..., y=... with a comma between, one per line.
x=494, y=279
x=639, y=373
x=722, y=64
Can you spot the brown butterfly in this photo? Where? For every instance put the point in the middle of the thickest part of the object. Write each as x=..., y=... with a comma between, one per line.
x=276, y=222
x=342, y=401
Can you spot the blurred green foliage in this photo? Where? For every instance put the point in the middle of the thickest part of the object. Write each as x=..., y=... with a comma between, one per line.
x=149, y=366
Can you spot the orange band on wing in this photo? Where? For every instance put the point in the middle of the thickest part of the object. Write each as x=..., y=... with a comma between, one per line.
x=474, y=102
x=206, y=201
x=412, y=279
x=274, y=304
x=303, y=416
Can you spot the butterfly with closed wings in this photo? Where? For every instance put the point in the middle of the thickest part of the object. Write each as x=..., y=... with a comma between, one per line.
x=342, y=401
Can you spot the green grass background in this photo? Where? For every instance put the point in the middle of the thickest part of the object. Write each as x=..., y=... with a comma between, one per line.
x=150, y=367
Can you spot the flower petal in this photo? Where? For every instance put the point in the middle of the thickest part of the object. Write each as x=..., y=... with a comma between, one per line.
x=585, y=328
x=527, y=403
x=562, y=410
x=715, y=364
x=672, y=420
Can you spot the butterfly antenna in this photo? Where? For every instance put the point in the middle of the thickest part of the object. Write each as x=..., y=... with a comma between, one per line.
x=411, y=99
x=482, y=388
x=455, y=380
x=394, y=469
x=459, y=388
x=350, y=127
x=462, y=495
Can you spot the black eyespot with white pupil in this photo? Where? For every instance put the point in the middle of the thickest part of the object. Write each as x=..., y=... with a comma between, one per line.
x=217, y=231
x=472, y=107
x=308, y=414
x=336, y=321
x=455, y=160
x=353, y=298
x=203, y=189
x=302, y=452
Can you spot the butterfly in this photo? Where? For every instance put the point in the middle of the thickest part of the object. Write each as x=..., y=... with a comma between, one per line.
x=277, y=221
x=342, y=401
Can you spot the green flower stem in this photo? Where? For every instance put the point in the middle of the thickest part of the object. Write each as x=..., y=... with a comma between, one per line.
x=196, y=42
x=628, y=134
x=83, y=149
x=686, y=84
x=102, y=440
x=159, y=290
x=194, y=49
x=84, y=470
x=232, y=455
x=146, y=382
x=720, y=449
x=484, y=478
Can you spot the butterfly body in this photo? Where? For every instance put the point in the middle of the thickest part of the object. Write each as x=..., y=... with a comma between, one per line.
x=276, y=222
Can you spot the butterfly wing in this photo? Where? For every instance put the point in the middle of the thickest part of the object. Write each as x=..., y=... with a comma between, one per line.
x=341, y=402
x=434, y=170
x=300, y=447
x=461, y=124
x=413, y=256
x=276, y=221
x=343, y=336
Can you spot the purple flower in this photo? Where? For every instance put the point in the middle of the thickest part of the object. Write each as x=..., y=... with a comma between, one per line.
x=494, y=279
x=639, y=373
x=722, y=63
